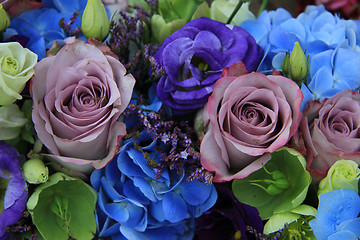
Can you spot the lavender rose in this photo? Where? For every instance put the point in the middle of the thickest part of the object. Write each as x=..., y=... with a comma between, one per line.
x=331, y=131
x=78, y=96
x=245, y=118
x=193, y=58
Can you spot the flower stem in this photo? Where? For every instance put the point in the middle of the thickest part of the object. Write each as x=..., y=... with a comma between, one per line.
x=263, y=6
x=238, y=6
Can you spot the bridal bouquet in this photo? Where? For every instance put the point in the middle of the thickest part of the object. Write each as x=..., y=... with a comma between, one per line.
x=173, y=119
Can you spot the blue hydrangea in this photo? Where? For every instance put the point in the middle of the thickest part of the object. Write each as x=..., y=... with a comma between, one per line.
x=137, y=201
x=331, y=44
x=338, y=216
x=41, y=25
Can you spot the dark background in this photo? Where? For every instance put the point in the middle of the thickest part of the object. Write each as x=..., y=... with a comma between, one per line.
x=289, y=5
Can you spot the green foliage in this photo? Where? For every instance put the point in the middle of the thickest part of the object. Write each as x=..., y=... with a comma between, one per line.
x=64, y=207
x=261, y=189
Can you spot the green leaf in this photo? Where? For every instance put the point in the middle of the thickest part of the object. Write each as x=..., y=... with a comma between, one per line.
x=203, y=10
x=287, y=161
x=65, y=209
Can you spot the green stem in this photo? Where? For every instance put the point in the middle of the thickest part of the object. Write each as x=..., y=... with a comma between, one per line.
x=263, y=6
x=238, y=6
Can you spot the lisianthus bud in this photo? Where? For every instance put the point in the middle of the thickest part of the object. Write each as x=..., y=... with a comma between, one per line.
x=4, y=19
x=35, y=171
x=342, y=174
x=299, y=65
x=95, y=22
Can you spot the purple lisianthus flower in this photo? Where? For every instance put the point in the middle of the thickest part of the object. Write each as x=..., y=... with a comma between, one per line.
x=193, y=58
x=136, y=201
x=227, y=217
x=13, y=188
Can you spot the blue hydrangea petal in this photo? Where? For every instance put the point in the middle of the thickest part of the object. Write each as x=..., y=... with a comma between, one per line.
x=175, y=209
x=145, y=188
x=321, y=82
x=195, y=192
x=346, y=59
x=157, y=212
x=95, y=178
x=322, y=20
x=256, y=28
x=342, y=235
x=109, y=190
x=48, y=20
x=134, y=193
x=352, y=225
x=68, y=6
x=153, y=234
x=334, y=208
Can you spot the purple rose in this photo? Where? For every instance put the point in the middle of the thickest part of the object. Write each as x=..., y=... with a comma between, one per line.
x=78, y=96
x=331, y=131
x=245, y=118
x=193, y=58
x=15, y=193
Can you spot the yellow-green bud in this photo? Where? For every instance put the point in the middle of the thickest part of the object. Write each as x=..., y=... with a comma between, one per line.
x=35, y=171
x=95, y=22
x=299, y=65
x=4, y=19
x=342, y=174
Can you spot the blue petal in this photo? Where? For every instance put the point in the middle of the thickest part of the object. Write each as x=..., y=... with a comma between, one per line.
x=145, y=188
x=118, y=211
x=156, y=211
x=342, y=236
x=195, y=192
x=257, y=29
x=175, y=208
x=346, y=59
x=134, y=193
x=68, y=6
x=49, y=20
x=352, y=225
x=95, y=178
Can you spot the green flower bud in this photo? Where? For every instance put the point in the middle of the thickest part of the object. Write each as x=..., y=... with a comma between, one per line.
x=342, y=174
x=95, y=22
x=35, y=171
x=285, y=67
x=299, y=66
x=4, y=19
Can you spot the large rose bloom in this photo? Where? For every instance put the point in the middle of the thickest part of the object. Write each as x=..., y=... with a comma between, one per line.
x=331, y=131
x=78, y=96
x=245, y=118
x=193, y=58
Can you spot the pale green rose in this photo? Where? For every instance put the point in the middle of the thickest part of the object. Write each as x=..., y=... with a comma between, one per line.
x=342, y=174
x=17, y=67
x=95, y=22
x=221, y=10
x=11, y=121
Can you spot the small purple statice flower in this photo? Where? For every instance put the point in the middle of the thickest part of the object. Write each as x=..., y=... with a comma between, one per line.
x=193, y=58
x=13, y=190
